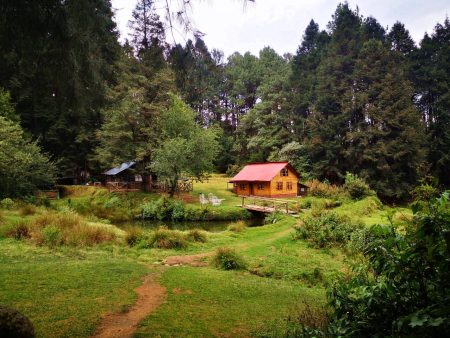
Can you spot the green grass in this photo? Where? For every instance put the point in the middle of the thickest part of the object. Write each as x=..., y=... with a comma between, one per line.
x=204, y=302
x=64, y=293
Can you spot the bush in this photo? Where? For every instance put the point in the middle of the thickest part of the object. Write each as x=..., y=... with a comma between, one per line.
x=133, y=235
x=178, y=212
x=273, y=217
x=27, y=209
x=7, y=204
x=163, y=238
x=238, y=226
x=14, y=325
x=73, y=230
x=326, y=230
x=324, y=189
x=17, y=230
x=112, y=202
x=51, y=236
x=228, y=259
x=196, y=235
x=356, y=187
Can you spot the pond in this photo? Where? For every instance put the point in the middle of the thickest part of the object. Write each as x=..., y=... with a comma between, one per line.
x=211, y=226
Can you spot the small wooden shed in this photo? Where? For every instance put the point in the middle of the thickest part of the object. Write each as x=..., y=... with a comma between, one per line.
x=123, y=178
x=268, y=179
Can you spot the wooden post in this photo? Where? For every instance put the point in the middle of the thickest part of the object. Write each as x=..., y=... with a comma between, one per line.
x=287, y=208
x=243, y=200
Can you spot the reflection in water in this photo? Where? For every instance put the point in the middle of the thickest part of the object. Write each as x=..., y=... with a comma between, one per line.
x=212, y=226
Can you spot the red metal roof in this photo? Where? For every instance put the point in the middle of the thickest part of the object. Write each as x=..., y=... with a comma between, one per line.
x=260, y=172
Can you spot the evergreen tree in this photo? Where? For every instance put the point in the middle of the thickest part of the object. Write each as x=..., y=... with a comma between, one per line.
x=328, y=124
x=386, y=139
x=57, y=60
x=400, y=40
x=23, y=166
x=431, y=76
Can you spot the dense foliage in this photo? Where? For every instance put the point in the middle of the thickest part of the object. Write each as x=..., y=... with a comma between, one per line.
x=400, y=288
x=23, y=166
x=354, y=98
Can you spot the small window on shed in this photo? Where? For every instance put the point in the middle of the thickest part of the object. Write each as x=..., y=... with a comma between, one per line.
x=243, y=186
x=284, y=172
x=289, y=185
x=279, y=185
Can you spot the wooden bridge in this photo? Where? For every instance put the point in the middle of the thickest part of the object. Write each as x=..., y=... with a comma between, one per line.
x=269, y=205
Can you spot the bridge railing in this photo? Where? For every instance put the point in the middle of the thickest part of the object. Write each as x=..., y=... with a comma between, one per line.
x=269, y=204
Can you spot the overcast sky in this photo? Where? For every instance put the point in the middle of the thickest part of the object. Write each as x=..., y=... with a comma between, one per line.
x=280, y=23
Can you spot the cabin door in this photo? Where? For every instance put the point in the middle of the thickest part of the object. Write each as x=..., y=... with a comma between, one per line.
x=251, y=189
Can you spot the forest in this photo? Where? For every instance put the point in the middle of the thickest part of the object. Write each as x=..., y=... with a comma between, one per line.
x=358, y=118
x=356, y=97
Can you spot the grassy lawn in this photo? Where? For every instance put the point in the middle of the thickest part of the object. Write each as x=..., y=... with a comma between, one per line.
x=65, y=292
x=204, y=302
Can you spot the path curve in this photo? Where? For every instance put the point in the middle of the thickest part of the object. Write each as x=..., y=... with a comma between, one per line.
x=151, y=294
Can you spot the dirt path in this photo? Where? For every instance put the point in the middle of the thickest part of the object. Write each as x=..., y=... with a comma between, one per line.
x=191, y=260
x=123, y=325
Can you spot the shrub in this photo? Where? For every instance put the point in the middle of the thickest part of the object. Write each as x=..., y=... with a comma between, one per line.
x=17, y=230
x=273, y=217
x=73, y=229
x=196, y=235
x=133, y=235
x=163, y=238
x=112, y=202
x=85, y=235
x=326, y=230
x=238, y=226
x=324, y=189
x=233, y=169
x=228, y=259
x=51, y=236
x=14, y=324
x=178, y=211
x=356, y=187
x=7, y=204
x=27, y=209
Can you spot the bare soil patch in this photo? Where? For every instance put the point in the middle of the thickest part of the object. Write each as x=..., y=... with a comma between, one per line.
x=197, y=260
x=123, y=325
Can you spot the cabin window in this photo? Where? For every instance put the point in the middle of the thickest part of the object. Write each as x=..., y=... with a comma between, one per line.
x=260, y=186
x=279, y=185
x=137, y=178
x=284, y=172
x=243, y=186
x=289, y=185
x=302, y=189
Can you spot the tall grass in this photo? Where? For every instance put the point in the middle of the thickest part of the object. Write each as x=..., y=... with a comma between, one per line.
x=54, y=229
x=228, y=259
x=163, y=238
x=323, y=189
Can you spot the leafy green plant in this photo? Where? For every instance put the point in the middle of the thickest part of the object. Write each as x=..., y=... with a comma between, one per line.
x=273, y=217
x=228, y=259
x=7, y=204
x=51, y=236
x=326, y=230
x=403, y=290
x=356, y=187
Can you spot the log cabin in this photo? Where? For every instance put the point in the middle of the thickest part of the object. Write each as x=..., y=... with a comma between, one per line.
x=268, y=179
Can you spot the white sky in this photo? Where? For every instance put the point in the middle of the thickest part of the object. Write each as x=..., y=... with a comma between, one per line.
x=280, y=23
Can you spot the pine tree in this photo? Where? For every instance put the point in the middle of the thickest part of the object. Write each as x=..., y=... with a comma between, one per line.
x=328, y=124
x=385, y=144
x=431, y=76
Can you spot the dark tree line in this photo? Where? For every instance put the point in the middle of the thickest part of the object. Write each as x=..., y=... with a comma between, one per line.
x=356, y=97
